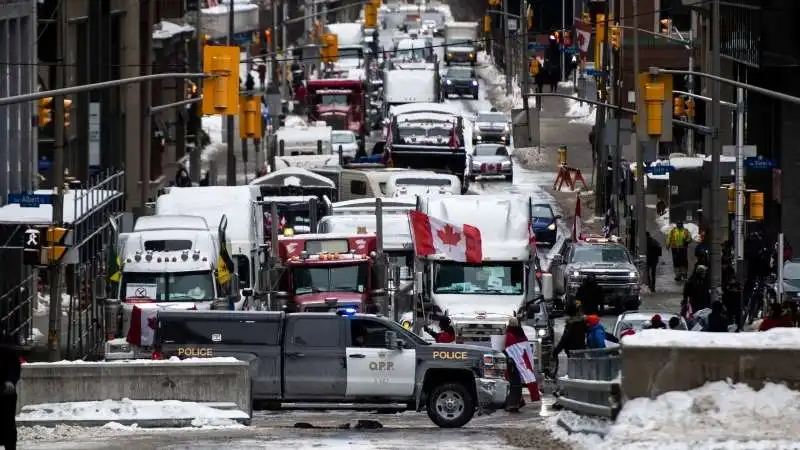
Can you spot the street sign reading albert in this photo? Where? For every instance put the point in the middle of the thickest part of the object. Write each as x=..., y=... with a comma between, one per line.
x=759, y=163
x=30, y=200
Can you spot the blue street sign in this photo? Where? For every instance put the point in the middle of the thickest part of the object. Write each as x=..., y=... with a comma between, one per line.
x=595, y=73
x=571, y=50
x=537, y=46
x=45, y=164
x=759, y=163
x=659, y=169
x=28, y=200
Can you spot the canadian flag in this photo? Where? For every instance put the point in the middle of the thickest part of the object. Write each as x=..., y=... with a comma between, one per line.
x=576, y=223
x=522, y=356
x=433, y=236
x=583, y=37
x=454, y=141
x=143, y=325
x=532, y=238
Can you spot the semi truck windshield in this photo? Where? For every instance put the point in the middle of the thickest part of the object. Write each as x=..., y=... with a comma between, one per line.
x=311, y=279
x=502, y=278
x=167, y=287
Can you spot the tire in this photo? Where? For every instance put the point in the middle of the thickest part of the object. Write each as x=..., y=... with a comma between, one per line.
x=450, y=405
x=510, y=178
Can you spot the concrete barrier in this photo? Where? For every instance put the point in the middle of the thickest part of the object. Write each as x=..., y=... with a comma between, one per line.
x=195, y=381
x=659, y=361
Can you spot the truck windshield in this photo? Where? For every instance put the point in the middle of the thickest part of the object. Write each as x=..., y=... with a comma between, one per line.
x=167, y=287
x=411, y=53
x=601, y=254
x=313, y=279
x=501, y=278
x=333, y=100
x=351, y=53
x=404, y=260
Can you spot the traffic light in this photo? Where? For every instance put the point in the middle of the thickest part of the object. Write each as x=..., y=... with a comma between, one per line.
x=370, y=15
x=487, y=24
x=330, y=47
x=376, y=3
x=495, y=2
x=530, y=17
x=67, y=108
x=690, y=108
x=666, y=26
x=57, y=241
x=654, y=93
x=268, y=37
x=600, y=28
x=221, y=90
x=45, y=111
x=586, y=18
x=678, y=107
x=534, y=67
x=557, y=35
x=757, y=205
x=204, y=39
x=731, y=199
x=615, y=37
x=250, y=117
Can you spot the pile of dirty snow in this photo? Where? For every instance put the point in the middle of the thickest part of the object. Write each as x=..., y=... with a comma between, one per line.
x=719, y=415
x=580, y=112
x=494, y=81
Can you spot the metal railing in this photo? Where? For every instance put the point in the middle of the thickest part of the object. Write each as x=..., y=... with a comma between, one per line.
x=592, y=384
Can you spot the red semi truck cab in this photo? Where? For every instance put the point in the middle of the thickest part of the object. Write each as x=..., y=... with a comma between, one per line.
x=338, y=102
x=329, y=271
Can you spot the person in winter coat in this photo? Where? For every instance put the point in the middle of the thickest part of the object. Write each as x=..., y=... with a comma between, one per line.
x=596, y=334
x=519, y=369
x=10, y=368
x=717, y=322
x=182, y=178
x=674, y=323
x=590, y=294
x=678, y=241
x=776, y=319
x=574, y=335
x=653, y=255
x=446, y=333
x=656, y=323
x=696, y=292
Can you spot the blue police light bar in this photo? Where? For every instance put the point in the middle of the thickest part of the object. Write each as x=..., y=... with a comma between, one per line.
x=346, y=311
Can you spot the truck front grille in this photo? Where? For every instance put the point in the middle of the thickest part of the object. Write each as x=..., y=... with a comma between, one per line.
x=611, y=278
x=479, y=332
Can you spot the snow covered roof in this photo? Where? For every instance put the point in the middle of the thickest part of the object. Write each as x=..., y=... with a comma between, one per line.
x=293, y=175
x=776, y=338
x=224, y=8
x=166, y=30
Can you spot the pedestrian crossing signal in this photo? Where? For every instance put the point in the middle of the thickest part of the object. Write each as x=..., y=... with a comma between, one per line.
x=45, y=111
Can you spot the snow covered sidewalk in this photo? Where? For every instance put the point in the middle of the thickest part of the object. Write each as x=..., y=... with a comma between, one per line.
x=143, y=413
x=719, y=415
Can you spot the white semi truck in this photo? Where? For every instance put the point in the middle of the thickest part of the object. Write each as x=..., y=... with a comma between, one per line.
x=480, y=298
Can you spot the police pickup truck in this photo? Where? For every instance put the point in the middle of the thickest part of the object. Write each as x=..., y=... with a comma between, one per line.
x=355, y=361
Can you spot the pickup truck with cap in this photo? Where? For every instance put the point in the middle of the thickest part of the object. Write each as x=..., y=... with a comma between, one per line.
x=341, y=360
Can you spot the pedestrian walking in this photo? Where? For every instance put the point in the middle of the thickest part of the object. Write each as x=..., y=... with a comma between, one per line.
x=678, y=242
x=596, y=334
x=446, y=333
x=520, y=369
x=574, y=335
x=10, y=368
x=653, y=256
x=591, y=296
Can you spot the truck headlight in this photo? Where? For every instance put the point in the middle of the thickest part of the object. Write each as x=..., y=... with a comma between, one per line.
x=575, y=274
x=474, y=83
x=632, y=275
x=494, y=365
x=541, y=332
x=551, y=227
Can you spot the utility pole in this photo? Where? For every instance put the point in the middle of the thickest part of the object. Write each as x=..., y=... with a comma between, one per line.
x=739, y=176
x=284, y=46
x=563, y=30
x=507, y=47
x=641, y=213
x=230, y=136
x=146, y=93
x=716, y=117
x=690, y=81
x=194, y=156
x=615, y=98
x=601, y=191
x=525, y=72
x=54, y=271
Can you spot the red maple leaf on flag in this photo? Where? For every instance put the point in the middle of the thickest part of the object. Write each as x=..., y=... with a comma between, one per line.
x=449, y=236
x=151, y=322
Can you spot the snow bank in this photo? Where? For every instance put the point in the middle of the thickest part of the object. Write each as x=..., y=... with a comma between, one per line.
x=580, y=112
x=495, y=84
x=717, y=416
x=665, y=226
x=776, y=338
x=131, y=410
x=142, y=362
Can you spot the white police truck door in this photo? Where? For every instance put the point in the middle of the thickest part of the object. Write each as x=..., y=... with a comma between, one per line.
x=372, y=369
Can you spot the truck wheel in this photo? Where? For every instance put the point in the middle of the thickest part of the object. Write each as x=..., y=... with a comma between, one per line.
x=450, y=405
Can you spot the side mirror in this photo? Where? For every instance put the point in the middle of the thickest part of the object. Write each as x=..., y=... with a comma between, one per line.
x=247, y=292
x=391, y=340
x=418, y=283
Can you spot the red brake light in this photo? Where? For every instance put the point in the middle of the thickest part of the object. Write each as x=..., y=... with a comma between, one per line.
x=157, y=355
x=22, y=360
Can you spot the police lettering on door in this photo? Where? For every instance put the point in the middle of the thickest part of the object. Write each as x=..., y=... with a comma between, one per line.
x=381, y=370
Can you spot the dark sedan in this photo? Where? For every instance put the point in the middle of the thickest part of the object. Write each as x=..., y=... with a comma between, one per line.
x=492, y=160
x=545, y=226
x=460, y=81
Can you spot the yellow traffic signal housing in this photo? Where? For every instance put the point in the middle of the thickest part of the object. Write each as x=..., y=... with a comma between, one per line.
x=586, y=18
x=534, y=67
x=530, y=17
x=614, y=36
x=600, y=28
x=487, y=24
x=249, y=117
x=731, y=199
x=370, y=15
x=67, y=108
x=666, y=26
x=690, y=108
x=757, y=205
x=268, y=37
x=678, y=107
x=376, y=3
x=221, y=93
x=654, y=102
x=495, y=2
x=204, y=39
x=45, y=111
x=330, y=47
